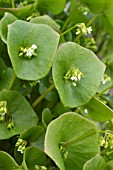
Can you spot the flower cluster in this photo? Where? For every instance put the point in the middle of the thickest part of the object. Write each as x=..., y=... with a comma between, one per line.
x=105, y=79
x=73, y=75
x=37, y=167
x=3, y=110
x=107, y=140
x=90, y=43
x=28, y=52
x=83, y=29
x=84, y=9
x=21, y=144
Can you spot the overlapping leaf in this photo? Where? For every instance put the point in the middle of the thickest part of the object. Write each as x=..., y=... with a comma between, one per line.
x=69, y=56
x=70, y=141
x=24, y=34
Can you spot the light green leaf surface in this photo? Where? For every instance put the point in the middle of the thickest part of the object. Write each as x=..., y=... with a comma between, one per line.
x=21, y=112
x=45, y=19
x=7, y=162
x=33, y=156
x=78, y=137
x=97, y=110
x=68, y=56
x=96, y=163
x=24, y=34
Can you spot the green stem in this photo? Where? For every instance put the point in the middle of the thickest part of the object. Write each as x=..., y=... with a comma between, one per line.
x=105, y=90
x=12, y=3
x=71, y=142
x=65, y=32
x=91, y=21
x=104, y=131
x=12, y=81
x=39, y=99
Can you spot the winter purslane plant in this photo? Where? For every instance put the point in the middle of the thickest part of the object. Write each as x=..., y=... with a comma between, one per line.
x=56, y=71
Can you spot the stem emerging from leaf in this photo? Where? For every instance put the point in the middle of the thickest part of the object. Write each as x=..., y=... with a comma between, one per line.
x=39, y=99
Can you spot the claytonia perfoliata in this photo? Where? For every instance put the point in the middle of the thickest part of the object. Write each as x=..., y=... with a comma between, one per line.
x=84, y=9
x=83, y=29
x=28, y=52
x=105, y=79
x=107, y=140
x=73, y=75
x=21, y=144
x=3, y=110
x=90, y=43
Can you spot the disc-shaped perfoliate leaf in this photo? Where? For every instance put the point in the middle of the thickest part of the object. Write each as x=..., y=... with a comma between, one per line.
x=96, y=163
x=19, y=112
x=72, y=56
x=7, y=162
x=45, y=19
x=71, y=140
x=97, y=110
x=5, y=21
x=24, y=34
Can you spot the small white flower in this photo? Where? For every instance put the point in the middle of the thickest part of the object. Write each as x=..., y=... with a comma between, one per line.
x=85, y=13
x=89, y=30
x=79, y=76
x=73, y=78
x=34, y=46
x=29, y=53
x=74, y=84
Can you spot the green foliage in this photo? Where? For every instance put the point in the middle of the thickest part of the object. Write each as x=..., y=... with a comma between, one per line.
x=56, y=79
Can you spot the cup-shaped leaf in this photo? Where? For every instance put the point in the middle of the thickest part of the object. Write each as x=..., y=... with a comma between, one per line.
x=5, y=21
x=19, y=111
x=7, y=162
x=71, y=140
x=95, y=163
x=22, y=34
x=71, y=58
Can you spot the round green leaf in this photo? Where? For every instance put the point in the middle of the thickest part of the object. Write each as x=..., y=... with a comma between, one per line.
x=71, y=140
x=5, y=21
x=24, y=34
x=97, y=110
x=45, y=19
x=96, y=163
x=71, y=55
x=7, y=162
x=33, y=156
x=21, y=112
